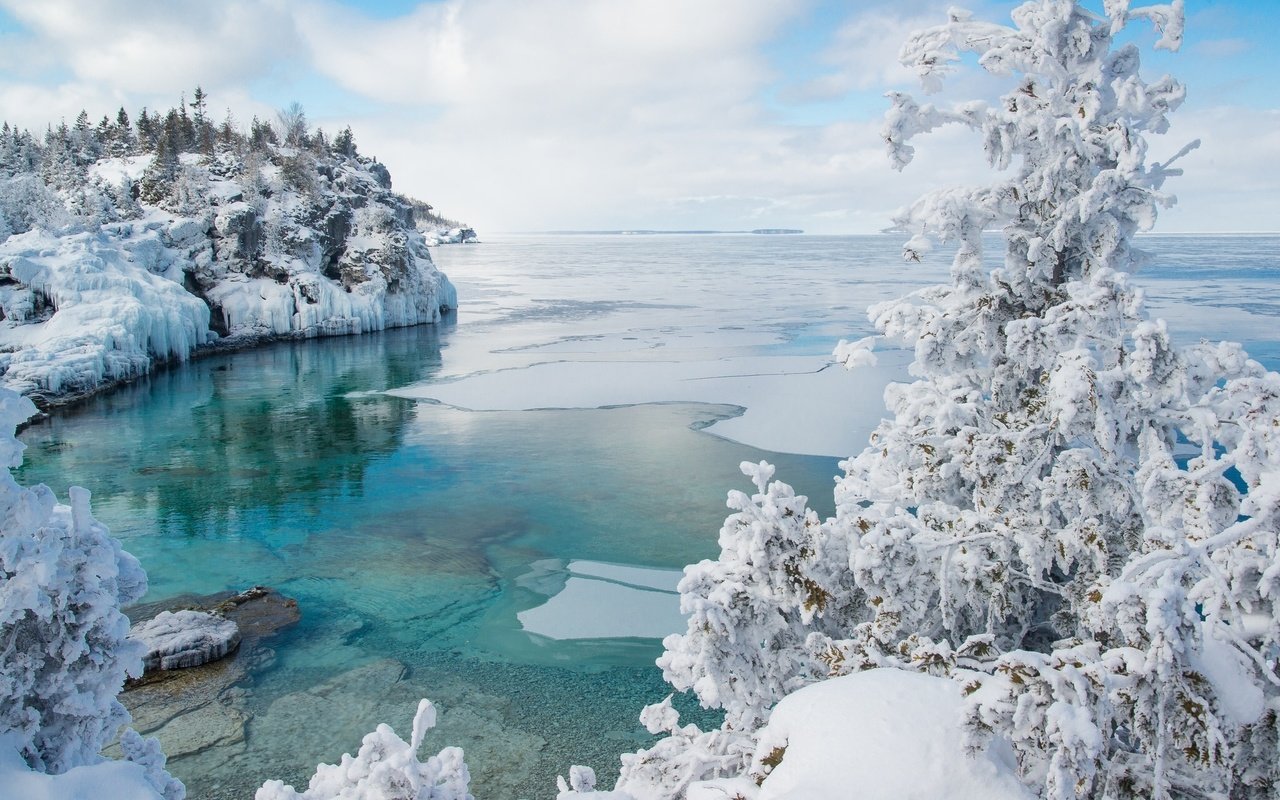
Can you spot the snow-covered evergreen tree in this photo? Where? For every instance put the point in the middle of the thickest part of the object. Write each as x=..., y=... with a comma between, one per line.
x=747, y=610
x=1065, y=513
x=64, y=654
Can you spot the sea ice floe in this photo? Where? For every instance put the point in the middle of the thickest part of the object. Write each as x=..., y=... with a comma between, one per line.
x=609, y=601
x=793, y=404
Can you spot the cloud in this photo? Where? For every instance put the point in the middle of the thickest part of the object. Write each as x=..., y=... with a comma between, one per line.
x=1232, y=181
x=117, y=53
x=583, y=113
x=158, y=45
x=563, y=110
x=1221, y=48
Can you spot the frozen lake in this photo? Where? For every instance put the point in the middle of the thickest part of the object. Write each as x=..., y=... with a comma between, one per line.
x=493, y=512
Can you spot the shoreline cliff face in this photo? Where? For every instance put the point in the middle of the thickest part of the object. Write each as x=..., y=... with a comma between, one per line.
x=111, y=264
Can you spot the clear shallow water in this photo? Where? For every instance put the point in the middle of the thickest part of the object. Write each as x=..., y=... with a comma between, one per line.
x=414, y=534
x=407, y=532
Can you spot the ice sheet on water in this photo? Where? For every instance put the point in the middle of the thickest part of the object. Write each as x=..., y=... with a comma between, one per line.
x=609, y=601
x=664, y=580
x=794, y=404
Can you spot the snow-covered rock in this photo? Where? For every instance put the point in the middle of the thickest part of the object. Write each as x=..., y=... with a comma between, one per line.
x=178, y=639
x=242, y=245
x=79, y=311
x=450, y=236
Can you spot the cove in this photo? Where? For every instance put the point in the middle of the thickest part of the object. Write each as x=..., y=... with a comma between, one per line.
x=415, y=537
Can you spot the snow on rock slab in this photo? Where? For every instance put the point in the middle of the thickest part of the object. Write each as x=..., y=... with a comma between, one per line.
x=178, y=639
x=882, y=734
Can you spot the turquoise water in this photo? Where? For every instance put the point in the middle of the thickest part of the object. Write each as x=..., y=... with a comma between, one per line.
x=403, y=530
x=414, y=535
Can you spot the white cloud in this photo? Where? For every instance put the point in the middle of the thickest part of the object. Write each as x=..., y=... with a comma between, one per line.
x=573, y=113
x=159, y=45
x=1232, y=182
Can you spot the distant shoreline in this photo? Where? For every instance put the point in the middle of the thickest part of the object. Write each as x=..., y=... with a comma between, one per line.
x=797, y=231
x=646, y=232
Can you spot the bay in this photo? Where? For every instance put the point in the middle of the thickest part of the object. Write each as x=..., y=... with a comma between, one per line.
x=514, y=562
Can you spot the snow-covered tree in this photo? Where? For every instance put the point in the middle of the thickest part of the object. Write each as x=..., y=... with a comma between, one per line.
x=64, y=655
x=744, y=649
x=1022, y=522
x=386, y=768
x=1065, y=512
x=747, y=609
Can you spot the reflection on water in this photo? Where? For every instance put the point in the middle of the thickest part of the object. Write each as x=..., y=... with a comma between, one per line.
x=412, y=536
x=194, y=446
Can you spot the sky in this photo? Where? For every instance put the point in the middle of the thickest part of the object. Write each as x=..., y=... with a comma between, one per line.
x=529, y=115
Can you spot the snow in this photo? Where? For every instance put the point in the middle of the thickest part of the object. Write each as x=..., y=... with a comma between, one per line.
x=601, y=601
x=386, y=768
x=1229, y=672
x=793, y=404
x=113, y=170
x=110, y=317
x=177, y=639
x=108, y=780
x=882, y=734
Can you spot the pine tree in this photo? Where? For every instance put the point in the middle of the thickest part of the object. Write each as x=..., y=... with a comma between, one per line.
x=344, y=143
x=67, y=656
x=148, y=131
x=1022, y=523
x=261, y=134
x=204, y=134
x=85, y=145
x=123, y=142
x=228, y=136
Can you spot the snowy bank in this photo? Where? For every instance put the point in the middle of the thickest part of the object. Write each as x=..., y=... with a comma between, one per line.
x=882, y=734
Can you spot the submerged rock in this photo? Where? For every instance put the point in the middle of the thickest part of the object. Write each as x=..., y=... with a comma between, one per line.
x=258, y=611
x=194, y=709
x=179, y=639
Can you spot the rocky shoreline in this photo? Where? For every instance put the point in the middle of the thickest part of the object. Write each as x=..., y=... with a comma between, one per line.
x=48, y=403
